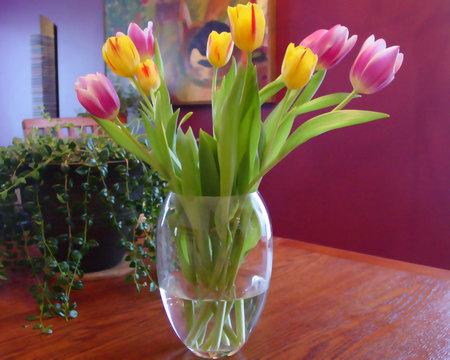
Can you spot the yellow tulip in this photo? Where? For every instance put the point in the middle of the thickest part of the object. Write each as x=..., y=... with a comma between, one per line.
x=147, y=76
x=298, y=65
x=247, y=26
x=121, y=55
x=219, y=48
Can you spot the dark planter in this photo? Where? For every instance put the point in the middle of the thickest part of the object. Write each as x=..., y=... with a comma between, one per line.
x=108, y=253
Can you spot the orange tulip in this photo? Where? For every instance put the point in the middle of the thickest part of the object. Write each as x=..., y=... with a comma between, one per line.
x=147, y=76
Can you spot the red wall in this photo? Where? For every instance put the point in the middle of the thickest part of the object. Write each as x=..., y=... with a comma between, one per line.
x=380, y=188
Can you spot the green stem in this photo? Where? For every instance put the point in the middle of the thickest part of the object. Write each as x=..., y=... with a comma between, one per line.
x=240, y=320
x=205, y=315
x=143, y=94
x=345, y=101
x=284, y=105
x=215, y=336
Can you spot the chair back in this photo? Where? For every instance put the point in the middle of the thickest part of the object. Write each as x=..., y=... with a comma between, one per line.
x=69, y=127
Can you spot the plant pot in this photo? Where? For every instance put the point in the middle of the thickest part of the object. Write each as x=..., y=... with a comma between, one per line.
x=55, y=214
x=214, y=262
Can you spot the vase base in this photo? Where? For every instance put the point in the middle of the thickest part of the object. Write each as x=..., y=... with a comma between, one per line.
x=214, y=354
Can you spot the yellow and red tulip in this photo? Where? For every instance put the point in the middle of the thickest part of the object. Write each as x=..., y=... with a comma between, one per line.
x=247, y=24
x=219, y=48
x=97, y=95
x=298, y=65
x=121, y=55
x=147, y=76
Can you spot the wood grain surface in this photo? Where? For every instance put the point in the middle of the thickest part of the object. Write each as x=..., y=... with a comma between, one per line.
x=323, y=303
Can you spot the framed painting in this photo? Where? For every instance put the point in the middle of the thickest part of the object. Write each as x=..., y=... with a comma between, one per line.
x=182, y=28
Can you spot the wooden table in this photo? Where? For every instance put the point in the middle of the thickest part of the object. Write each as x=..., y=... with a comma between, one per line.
x=323, y=303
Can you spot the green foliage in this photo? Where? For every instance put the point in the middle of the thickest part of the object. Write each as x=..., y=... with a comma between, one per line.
x=45, y=175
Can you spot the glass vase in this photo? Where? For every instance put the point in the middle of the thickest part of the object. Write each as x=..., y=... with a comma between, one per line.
x=214, y=262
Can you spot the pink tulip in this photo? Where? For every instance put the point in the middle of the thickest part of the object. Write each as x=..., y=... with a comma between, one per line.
x=143, y=40
x=97, y=95
x=330, y=45
x=375, y=66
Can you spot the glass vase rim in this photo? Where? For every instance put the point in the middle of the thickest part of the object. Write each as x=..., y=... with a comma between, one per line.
x=253, y=193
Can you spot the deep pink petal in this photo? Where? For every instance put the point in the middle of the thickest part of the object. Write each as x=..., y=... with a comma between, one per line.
x=328, y=40
x=348, y=46
x=150, y=39
x=379, y=69
x=311, y=40
x=138, y=37
x=110, y=88
x=335, y=42
x=369, y=49
x=90, y=103
x=104, y=97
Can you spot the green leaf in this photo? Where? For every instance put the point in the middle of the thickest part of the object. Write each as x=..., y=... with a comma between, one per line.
x=271, y=89
x=326, y=122
x=158, y=60
x=124, y=138
x=208, y=165
x=319, y=103
x=62, y=280
x=311, y=88
x=185, y=118
x=187, y=153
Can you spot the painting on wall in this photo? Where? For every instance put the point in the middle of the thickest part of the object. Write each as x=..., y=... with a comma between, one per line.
x=182, y=28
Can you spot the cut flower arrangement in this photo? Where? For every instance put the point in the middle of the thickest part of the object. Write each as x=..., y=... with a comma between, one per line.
x=214, y=250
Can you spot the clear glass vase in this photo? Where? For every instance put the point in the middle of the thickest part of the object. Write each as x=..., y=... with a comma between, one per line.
x=214, y=262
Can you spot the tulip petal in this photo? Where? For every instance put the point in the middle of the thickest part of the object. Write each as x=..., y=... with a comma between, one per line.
x=398, y=62
x=137, y=35
x=100, y=90
x=330, y=45
x=368, y=50
x=311, y=40
x=90, y=103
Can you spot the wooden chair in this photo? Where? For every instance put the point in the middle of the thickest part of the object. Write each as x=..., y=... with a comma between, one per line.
x=77, y=125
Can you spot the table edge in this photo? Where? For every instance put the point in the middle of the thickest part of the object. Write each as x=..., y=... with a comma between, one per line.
x=366, y=258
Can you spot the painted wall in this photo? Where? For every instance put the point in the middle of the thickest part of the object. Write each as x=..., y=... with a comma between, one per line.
x=381, y=188
x=80, y=37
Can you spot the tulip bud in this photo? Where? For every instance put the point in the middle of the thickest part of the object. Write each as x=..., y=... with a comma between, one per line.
x=121, y=55
x=375, y=66
x=97, y=95
x=330, y=45
x=147, y=76
x=219, y=48
x=247, y=24
x=298, y=65
x=143, y=40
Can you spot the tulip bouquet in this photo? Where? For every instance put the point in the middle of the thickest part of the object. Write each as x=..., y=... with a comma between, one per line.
x=233, y=159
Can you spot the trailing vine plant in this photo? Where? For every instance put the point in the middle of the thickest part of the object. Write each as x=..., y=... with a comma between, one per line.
x=83, y=174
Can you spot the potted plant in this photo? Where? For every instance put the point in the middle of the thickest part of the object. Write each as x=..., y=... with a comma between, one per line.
x=129, y=100
x=70, y=206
